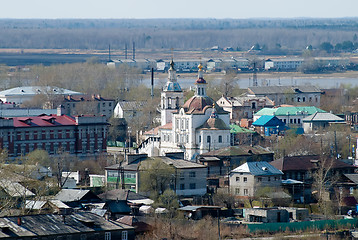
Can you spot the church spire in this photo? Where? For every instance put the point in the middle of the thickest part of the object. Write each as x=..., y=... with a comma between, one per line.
x=172, y=73
x=172, y=85
x=200, y=83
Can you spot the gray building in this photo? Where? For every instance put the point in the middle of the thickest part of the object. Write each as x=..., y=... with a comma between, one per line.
x=245, y=180
x=76, y=226
x=266, y=215
x=305, y=95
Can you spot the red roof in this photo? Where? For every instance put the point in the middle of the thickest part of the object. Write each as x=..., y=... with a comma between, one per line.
x=199, y=104
x=167, y=126
x=200, y=80
x=44, y=121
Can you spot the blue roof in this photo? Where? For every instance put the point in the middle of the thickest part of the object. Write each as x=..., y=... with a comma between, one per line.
x=267, y=121
x=172, y=87
x=258, y=169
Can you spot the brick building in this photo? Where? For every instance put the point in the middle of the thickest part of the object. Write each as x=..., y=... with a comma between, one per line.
x=81, y=135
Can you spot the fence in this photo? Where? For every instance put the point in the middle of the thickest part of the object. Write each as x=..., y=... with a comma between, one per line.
x=302, y=226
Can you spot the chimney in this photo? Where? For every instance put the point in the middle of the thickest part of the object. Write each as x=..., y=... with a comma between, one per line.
x=60, y=110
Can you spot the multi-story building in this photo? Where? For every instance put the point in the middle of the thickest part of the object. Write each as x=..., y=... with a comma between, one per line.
x=81, y=136
x=23, y=94
x=88, y=104
x=291, y=116
x=243, y=107
x=305, y=95
x=246, y=179
x=189, y=178
x=283, y=63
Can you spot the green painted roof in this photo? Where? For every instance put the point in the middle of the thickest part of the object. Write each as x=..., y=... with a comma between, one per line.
x=297, y=110
x=266, y=111
x=284, y=111
x=237, y=129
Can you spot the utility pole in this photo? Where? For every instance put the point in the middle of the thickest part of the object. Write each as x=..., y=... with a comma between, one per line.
x=219, y=224
x=122, y=178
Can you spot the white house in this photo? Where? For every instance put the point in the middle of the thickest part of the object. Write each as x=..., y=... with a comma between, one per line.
x=246, y=179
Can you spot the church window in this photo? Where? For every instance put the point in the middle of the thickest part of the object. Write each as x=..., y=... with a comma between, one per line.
x=182, y=124
x=304, y=99
x=187, y=124
x=208, y=139
x=177, y=124
x=169, y=103
x=220, y=139
x=187, y=138
x=177, y=138
x=177, y=103
x=254, y=105
x=199, y=139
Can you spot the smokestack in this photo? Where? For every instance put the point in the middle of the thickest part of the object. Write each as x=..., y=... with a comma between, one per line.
x=152, y=84
x=109, y=52
x=125, y=51
x=133, y=50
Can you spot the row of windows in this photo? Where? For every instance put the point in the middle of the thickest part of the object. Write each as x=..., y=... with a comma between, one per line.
x=293, y=121
x=166, y=138
x=299, y=99
x=191, y=186
x=259, y=179
x=246, y=191
x=182, y=124
x=208, y=139
x=191, y=175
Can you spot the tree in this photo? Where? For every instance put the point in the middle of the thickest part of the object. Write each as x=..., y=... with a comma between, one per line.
x=38, y=156
x=170, y=201
x=326, y=46
x=155, y=177
x=347, y=46
x=323, y=180
x=228, y=84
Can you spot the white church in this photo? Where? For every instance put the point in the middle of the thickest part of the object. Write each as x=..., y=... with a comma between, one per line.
x=197, y=126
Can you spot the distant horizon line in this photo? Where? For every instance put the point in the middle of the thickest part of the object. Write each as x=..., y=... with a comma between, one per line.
x=187, y=18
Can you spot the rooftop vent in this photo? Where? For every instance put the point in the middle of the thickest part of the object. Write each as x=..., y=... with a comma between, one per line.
x=264, y=168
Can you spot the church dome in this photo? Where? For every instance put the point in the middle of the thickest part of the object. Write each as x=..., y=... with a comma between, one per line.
x=214, y=122
x=200, y=79
x=199, y=104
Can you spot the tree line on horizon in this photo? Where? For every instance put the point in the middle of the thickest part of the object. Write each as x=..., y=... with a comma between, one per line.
x=181, y=34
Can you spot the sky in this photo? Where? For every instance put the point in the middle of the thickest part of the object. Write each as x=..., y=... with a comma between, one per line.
x=143, y=9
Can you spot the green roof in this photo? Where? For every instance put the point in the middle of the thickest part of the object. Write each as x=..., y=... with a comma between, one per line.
x=267, y=111
x=237, y=129
x=284, y=111
x=297, y=110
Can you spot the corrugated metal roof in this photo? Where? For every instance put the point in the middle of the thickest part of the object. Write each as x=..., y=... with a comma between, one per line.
x=320, y=117
x=33, y=90
x=131, y=105
x=69, y=195
x=258, y=169
x=283, y=89
x=242, y=150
